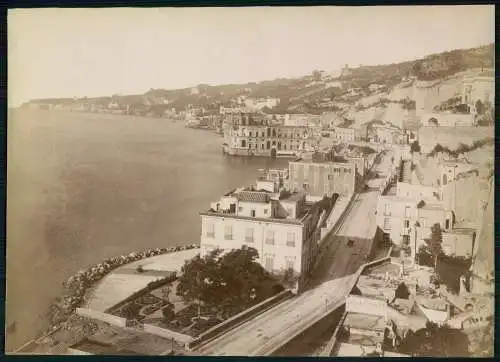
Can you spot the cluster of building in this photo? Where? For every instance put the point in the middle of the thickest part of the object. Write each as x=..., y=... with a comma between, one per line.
x=473, y=88
x=388, y=304
x=282, y=215
x=256, y=103
x=415, y=204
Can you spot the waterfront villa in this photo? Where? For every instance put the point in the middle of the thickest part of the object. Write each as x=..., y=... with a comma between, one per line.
x=253, y=134
x=281, y=225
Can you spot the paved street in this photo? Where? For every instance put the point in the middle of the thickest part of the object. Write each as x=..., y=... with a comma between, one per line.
x=332, y=281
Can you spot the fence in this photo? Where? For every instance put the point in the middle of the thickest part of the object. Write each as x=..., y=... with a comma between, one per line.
x=101, y=316
x=238, y=319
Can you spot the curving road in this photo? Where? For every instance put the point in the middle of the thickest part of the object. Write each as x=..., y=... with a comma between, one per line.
x=333, y=279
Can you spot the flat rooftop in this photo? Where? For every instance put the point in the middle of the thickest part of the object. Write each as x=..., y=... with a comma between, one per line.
x=432, y=303
x=364, y=321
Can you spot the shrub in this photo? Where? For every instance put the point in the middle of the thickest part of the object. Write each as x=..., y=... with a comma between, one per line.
x=168, y=312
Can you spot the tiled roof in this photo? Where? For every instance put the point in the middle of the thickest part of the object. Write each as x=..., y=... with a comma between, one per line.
x=253, y=196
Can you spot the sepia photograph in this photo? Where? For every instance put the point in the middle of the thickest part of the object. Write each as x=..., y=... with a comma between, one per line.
x=251, y=181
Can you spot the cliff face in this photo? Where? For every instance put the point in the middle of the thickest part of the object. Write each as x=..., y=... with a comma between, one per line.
x=483, y=265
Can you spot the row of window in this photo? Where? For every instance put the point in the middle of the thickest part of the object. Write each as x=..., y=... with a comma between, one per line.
x=406, y=223
x=269, y=259
x=269, y=262
x=249, y=235
x=268, y=145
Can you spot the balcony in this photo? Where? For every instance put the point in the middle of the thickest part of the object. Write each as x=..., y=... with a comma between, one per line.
x=270, y=241
x=249, y=239
x=228, y=237
x=211, y=235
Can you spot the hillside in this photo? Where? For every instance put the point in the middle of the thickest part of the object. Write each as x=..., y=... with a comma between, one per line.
x=312, y=93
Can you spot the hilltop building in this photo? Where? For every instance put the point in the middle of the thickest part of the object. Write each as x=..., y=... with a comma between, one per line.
x=407, y=213
x=281, y=225
x=480, y=87
x=260, y=103
x=346, y=72
x=253, y=134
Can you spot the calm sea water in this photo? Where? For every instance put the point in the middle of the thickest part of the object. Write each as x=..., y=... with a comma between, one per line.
x=83, y=187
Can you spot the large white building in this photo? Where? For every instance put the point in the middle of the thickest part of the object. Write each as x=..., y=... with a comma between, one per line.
x=279, y=224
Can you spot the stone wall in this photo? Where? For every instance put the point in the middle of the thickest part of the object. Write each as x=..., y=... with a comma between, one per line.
x=103, y=317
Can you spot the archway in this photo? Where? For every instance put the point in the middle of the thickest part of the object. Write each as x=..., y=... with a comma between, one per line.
x=268, y=144
x=273, y=152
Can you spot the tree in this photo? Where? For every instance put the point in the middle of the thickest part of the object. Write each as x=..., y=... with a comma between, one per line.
x=435, y=243
x=168, y=312
x=434, y=341
x=415, y=147
x=229, y=280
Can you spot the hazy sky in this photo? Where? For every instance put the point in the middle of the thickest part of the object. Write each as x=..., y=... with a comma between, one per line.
x=92, y=52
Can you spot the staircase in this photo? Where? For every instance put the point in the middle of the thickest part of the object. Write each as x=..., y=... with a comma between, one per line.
x=406, y=171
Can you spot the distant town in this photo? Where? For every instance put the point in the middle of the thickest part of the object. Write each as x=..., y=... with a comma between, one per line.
x=376, y=240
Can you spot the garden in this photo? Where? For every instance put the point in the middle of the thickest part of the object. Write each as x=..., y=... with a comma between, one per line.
x=210, y=290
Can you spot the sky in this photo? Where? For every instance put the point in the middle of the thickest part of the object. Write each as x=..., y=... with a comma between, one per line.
x=99, y=52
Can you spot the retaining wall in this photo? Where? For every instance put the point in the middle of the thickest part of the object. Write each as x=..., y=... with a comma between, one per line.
x=104, y=317
x=167, y=333
x=330, y=347
x=238, y=319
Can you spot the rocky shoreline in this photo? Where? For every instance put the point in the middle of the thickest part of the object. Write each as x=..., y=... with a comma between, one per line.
x=77, y=286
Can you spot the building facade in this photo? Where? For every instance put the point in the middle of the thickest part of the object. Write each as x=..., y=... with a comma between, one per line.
x=480, y=88
x=260, y=103
x=279, y=224
x=459, y=242
x=385, y=134
x=320, y=178
x=252, y=134
x=448, y=119
x=407, y=217
x=344, y=134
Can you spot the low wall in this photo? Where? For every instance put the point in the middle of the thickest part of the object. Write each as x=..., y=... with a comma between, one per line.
x=327, y=229
x=103, y=317
x=147, y=289
x=238, y=319
x=167, y=333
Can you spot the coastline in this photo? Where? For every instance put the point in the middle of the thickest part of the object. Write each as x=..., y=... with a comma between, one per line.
x=77, y=288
